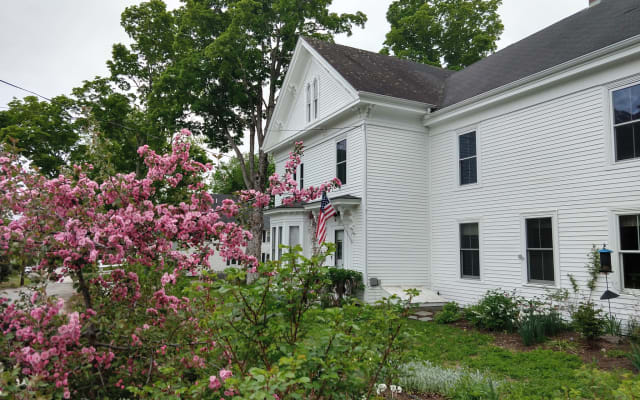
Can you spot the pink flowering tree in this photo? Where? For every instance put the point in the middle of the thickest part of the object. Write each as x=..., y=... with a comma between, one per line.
x=139, y=320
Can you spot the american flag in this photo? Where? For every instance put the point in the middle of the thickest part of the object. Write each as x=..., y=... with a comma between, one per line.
x=326, y=211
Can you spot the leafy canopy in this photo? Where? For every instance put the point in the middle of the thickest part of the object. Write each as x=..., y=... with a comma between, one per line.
x=449, y=33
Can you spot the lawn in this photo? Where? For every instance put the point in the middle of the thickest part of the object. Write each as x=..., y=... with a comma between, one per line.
x=535, y=374
x=13, y=282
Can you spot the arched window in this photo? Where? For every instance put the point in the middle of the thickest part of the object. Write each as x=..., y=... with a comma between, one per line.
x=315, y=98
x=308, y=103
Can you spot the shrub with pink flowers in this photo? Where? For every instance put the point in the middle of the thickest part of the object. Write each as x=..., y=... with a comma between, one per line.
x=147, y=328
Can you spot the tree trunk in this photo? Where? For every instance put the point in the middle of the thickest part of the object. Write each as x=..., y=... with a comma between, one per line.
x=256, y=219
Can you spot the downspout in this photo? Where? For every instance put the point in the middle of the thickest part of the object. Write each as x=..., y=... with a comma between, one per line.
x=364, y=204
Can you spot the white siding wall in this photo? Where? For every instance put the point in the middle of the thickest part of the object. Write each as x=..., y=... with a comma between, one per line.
x=551, y=157
x=397, y=200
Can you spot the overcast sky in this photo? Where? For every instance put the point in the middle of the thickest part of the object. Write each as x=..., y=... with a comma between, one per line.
x=51, y=46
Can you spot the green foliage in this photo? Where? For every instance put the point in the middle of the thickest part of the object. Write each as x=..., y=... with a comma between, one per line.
x=612, y=325
x=228, y=179
x=588, y=321
x=591, y=383
x=450, y=313
x=343, y=285
x=496, y=311
x=455, y=383
x=538, y=321
x=633, y=330
x=455, y=33
x=593, y=266
x=44, y=132
x=634, y=355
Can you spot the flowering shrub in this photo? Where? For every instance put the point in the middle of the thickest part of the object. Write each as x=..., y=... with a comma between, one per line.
x=147, y=330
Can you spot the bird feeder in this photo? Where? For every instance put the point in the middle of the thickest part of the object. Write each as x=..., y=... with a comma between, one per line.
x=605, y=260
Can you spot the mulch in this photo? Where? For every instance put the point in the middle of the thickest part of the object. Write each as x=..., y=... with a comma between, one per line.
x=606, y=355
x=423, y=396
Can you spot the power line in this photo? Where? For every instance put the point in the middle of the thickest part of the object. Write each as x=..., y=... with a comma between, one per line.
x=26, y=90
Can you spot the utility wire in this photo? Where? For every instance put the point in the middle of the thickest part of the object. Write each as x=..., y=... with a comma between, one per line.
x=26, y=90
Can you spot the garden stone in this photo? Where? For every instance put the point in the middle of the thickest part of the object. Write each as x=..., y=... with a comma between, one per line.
x=612, y=339
x=424, y=314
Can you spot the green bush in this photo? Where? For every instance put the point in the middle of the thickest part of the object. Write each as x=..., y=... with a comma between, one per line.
x=633, y=330
x=587, y=320
x=342, y=283
x=612, y=326
x=450, y=313
x=535, y=328
x=496, y=311
x=634, y=355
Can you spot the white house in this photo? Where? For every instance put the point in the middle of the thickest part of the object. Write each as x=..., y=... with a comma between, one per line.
x=502, y=175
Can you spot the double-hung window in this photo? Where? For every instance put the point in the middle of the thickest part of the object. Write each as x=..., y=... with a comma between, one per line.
x=308, y=102
x=339, y=241
x=630, y=250
x=301, y=176
x=316, y=92
x=469, y=251
x=341, y=161
x=626, y=122
x=540, y=257
x=468, y=159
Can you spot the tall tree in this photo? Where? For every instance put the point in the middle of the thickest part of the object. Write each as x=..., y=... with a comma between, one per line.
x=450, y=33
x=44, y=132
x=228, y=179
x=230, y=59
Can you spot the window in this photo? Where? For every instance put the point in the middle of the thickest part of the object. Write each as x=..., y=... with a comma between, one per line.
x=308, y=103
x=341, y=158
x=630, y=250
x=268, y=236
x=339, y=241
x=264, y=236
x=301, y=176
x=469, y=250
x=264, y=257
x=468, y=158
x=626, y=122
x=540, y=250
x=315, y=98
x=273, y=243
x=294, y=236
x=279, y=243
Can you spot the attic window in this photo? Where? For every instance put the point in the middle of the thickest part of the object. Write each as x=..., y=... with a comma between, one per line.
x=315, y=98
x=308, y=103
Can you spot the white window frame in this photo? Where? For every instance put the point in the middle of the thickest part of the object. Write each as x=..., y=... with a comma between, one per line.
x=315, y=98
x=480, y=277
x=553, y=214
x=609, y=121
x=458, y=133
x=307, y=103
x=616, y=278
x=346, y=161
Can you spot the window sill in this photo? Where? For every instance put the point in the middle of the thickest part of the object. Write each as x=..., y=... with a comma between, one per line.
x=469, y=186
x=629, y=163
x=540, y=285
x=471, y=278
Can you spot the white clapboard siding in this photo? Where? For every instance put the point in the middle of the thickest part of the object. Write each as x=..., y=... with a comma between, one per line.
x=547, y=157
x=397, y=206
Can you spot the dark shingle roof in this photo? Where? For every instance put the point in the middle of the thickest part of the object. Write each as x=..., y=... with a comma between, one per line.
x=390, y=76
x=589, y=30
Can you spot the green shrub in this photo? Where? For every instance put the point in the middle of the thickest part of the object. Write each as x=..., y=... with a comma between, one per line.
x=496, y=311
x=634, y=355
x=342, y=283
x=612, y=326
x=450, y=313
x=633, y=330
x=535, y=328
x=587, y=320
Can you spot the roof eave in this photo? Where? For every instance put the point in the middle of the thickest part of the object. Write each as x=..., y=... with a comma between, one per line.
x=510, y=89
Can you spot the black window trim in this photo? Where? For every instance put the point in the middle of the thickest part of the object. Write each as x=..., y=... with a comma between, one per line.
x=459, y=158
x=461, y=249
x=554, y=249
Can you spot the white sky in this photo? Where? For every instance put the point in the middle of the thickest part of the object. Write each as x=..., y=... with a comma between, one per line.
x=52, y=46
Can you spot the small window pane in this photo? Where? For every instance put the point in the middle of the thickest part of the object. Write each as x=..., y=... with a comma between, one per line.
x=279, y=243
x=341, y=148
x=294, y=236
x=339, y=242
x=629, y=232
x=467, y=145
x=631, y=267
x=635, y=102
x=342, y=173
x=533, y=234
x=540, y=265
x=301, y=176
x=622, y=105
x=468, y=171
x=625, y=148
x=546, y=234
x=469, y=236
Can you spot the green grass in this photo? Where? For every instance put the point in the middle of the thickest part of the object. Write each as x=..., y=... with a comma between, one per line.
x=535, y=374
